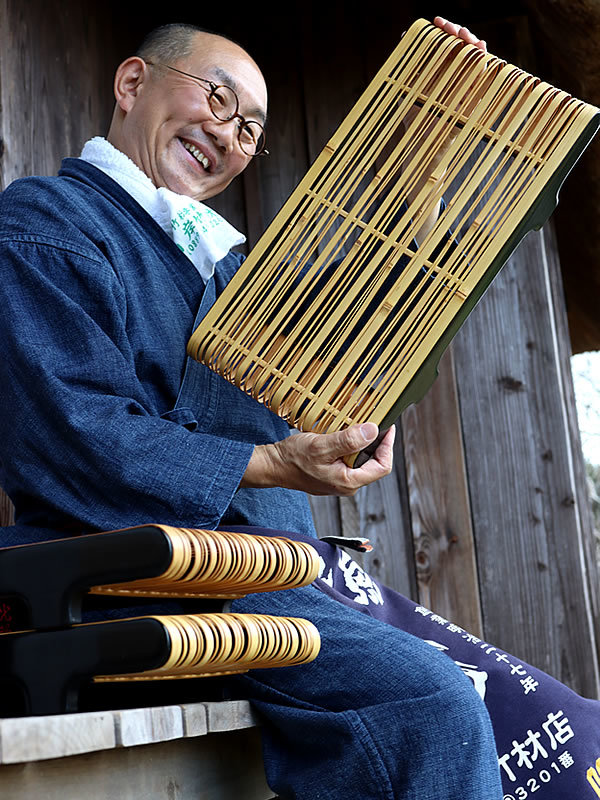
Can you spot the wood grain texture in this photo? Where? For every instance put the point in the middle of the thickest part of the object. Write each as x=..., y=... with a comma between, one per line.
x=195, y=719
x=230, y=715
x=328, y=99
x=50, y=104
x=38, y=738
x=376, y=513
x=591, y=566
x=439, y=504
x=566, y=34
x=524, y=503
x=27, y=739
x=277, y=174
x=326, y=514
x=215, y=767
x=135, y=726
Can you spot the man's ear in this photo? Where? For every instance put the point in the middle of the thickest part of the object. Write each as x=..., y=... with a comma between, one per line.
x=129, y=78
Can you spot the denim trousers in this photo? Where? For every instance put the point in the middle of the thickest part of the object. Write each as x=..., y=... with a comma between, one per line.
x=379, y=714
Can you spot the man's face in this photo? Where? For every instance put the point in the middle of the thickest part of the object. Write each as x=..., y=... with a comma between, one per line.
x=169, y=130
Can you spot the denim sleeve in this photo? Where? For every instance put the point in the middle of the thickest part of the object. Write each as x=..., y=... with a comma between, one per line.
x=79, y=438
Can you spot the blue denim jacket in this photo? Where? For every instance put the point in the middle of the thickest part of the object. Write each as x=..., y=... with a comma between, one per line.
x=97, y=307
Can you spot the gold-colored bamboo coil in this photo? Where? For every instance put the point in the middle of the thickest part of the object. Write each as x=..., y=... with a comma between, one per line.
x=222, y=644
x=222, y=564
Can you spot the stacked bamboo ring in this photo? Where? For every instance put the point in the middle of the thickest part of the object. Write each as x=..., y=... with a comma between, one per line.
x=223, y=564
x=223, y=644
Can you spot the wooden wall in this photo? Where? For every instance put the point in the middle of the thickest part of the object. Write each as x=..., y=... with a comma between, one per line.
x=57, y=60
x=485, y=518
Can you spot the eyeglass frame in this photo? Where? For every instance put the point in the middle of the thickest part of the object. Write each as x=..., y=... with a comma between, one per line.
x=213, y=88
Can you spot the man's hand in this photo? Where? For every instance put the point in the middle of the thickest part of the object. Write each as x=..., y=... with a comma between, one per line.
x=313, y=462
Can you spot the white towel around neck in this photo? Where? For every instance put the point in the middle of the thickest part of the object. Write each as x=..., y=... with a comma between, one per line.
x=199, y=232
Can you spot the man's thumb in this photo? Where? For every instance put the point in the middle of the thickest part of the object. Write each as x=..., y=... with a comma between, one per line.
x=357, y=437
x=369, y=431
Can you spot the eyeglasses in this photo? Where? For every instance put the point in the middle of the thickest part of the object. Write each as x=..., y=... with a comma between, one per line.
x=224, y=104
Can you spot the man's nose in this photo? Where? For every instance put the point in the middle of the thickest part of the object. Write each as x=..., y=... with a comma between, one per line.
x=224, y=133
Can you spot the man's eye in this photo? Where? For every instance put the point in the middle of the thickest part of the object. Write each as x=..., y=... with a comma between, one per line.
x=248, y=133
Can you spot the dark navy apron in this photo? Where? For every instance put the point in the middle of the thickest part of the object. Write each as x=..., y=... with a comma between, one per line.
x=547, y=736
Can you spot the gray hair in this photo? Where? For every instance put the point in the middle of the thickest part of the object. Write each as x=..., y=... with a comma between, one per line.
x=170, y=43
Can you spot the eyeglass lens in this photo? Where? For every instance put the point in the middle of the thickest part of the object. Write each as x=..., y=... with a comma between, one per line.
x=224, y=105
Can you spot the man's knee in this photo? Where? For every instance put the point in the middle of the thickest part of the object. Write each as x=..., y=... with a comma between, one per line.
x=363, y=661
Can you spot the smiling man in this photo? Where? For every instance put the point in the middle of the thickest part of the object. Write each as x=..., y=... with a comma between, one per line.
x=106, y=269
x=167, y=122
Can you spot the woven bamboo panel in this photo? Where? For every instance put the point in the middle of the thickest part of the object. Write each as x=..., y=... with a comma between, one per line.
x=338, y=316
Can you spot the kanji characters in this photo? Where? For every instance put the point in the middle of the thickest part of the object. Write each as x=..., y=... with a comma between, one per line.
x=566, y=759
x=452, y=628
x=517, y=669
x=525, y=756
x=438, y=619
x=558, y=729
x=540, y=743
x=188, y=228
x=425, y=612
x=363, y=587
x=529, y=684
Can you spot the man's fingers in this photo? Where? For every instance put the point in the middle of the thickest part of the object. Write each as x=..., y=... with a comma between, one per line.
x=461, y=31
x=386, y=446
x=449, y=27
x=381, y=461
x=314, y=463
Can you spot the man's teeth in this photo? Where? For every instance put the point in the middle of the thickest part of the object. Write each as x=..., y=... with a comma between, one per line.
x=198, y=155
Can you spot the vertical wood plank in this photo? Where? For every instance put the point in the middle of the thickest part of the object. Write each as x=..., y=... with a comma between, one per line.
x=525, y=511
x=326, y=515
x=325, y=105
x=439, y=504
x=51, y=104
x=278, y=173
x=377, y=513
x=591, y=565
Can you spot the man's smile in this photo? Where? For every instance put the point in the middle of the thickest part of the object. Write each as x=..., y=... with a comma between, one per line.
x=197, y=154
